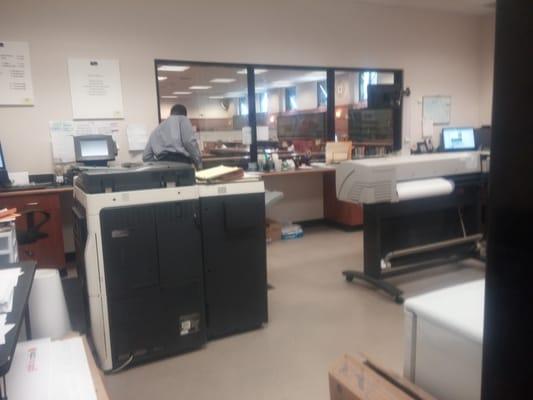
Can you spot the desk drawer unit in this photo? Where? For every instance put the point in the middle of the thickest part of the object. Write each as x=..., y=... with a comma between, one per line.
x=48, y=252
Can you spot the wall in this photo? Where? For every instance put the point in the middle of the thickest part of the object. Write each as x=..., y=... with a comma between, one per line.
x=439, y=52
x=306, y=96
x=487, y=69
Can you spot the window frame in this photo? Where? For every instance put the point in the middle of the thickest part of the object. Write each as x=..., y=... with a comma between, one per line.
x=250, y=67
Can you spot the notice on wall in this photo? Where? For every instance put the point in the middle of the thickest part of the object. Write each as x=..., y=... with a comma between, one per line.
x=437, y=109
x=16, y=88
x=137, y=137
x=62, y=134
x=95, y=88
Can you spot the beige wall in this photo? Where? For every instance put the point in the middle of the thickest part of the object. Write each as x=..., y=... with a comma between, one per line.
x=439, y=52
x=487, y=69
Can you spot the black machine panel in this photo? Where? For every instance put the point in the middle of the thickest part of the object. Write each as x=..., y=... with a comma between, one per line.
x=154, y=279
x=149, y=176
x=234, y=263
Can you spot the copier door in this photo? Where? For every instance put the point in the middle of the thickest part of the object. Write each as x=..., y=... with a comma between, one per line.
x=233, y=229
x=154, y=279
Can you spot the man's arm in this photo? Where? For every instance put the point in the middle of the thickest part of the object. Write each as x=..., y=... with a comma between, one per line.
x=148, y=154
x=190, y=143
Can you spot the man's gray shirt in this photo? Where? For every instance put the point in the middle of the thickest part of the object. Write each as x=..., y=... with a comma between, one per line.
x=175, y=135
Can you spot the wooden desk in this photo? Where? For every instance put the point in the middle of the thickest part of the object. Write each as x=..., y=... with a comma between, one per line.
x=48, y=252
x=339, y=212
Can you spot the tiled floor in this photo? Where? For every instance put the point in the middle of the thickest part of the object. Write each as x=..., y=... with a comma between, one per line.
x=315, y=316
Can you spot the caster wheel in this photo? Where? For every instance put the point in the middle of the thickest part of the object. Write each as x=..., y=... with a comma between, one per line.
x=398, y=299
x=349, y=278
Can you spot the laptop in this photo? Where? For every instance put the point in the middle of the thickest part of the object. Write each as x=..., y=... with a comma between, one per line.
x=458, y=139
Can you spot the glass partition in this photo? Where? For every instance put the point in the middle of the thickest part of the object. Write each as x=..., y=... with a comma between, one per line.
x=368, y=111
x=216, y=98
x=291, y=115
x=294, y=117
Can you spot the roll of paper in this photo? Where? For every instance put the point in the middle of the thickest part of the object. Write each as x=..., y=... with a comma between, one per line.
x=424, y=188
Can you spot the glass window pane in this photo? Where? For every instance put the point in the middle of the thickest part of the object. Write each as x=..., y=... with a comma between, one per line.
x=216, y=98
x=366, y=110
x=291, y=113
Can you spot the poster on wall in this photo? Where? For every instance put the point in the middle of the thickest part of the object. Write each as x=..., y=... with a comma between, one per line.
x=16, y=88
x=95, y=88
x=437, y=109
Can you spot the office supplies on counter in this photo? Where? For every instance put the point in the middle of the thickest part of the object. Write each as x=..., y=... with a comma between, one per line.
x=419, y=211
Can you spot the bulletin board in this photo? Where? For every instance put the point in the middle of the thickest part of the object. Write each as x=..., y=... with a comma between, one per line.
x=437, y=109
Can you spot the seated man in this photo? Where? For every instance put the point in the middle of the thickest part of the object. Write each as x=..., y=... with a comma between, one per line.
x=174, y=140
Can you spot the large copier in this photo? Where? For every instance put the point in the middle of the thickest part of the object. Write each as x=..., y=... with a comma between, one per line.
x=418, y=210
x=142, y=235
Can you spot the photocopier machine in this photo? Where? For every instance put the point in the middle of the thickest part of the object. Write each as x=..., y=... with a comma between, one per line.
x=418, y=210
x=165, y=263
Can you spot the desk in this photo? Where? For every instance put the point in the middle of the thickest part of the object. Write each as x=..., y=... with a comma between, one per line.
x=48, y=252
x=302, y=188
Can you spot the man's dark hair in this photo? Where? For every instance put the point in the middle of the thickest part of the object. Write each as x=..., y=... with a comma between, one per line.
x=178, y=109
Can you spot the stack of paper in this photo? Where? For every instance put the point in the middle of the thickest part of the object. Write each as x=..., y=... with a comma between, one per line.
x=8, y=280
x=8, y=215
x=220, y=173
x=50, y=370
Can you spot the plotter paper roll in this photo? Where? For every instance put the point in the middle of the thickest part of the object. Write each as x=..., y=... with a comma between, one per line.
x=424, y=188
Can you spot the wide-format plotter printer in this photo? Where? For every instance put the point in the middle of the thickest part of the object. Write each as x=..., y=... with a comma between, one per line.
x=418, y=210
x=142, y=235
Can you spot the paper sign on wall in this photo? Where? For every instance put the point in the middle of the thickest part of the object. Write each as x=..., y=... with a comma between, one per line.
x=137, y=137
x=62, y=136
x=437, y=109
x=16, y=86
x=95, y=88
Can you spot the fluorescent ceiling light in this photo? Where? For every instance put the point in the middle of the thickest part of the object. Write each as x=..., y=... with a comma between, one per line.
x=173, y=68
x=181, y=92
x=314, y=76
x=222, y=80
x=161, y=78
x=200, y=87
x=216, y=97
x=169, y=97
x=282, y=84
x=234, y=94
x=257, y=71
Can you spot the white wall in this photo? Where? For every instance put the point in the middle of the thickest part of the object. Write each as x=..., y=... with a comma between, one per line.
x=487, y=69
x=439, y=52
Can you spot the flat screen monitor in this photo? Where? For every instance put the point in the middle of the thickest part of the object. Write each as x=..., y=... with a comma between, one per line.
x=371, y=125
x=94, y=149
x=302, y=125
x=458, y=139
x=4, y=177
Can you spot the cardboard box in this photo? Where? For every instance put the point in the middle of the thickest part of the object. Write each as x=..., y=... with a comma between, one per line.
x=357, y=378
x=273, y=230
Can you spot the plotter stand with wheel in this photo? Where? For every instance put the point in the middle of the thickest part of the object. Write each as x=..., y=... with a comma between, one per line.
x=413, y=224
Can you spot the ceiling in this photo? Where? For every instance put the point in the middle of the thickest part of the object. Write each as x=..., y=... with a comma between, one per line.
x=480, y=7
x=202, y=75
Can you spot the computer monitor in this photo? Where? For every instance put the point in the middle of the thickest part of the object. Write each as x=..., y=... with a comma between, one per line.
x=4, y=177
x=458, y=139
x=94, y=150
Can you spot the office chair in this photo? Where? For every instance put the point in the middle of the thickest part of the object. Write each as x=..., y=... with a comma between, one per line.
x=33, y=233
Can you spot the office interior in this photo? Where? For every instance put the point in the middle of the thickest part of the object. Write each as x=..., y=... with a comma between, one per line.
x=263, y=79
